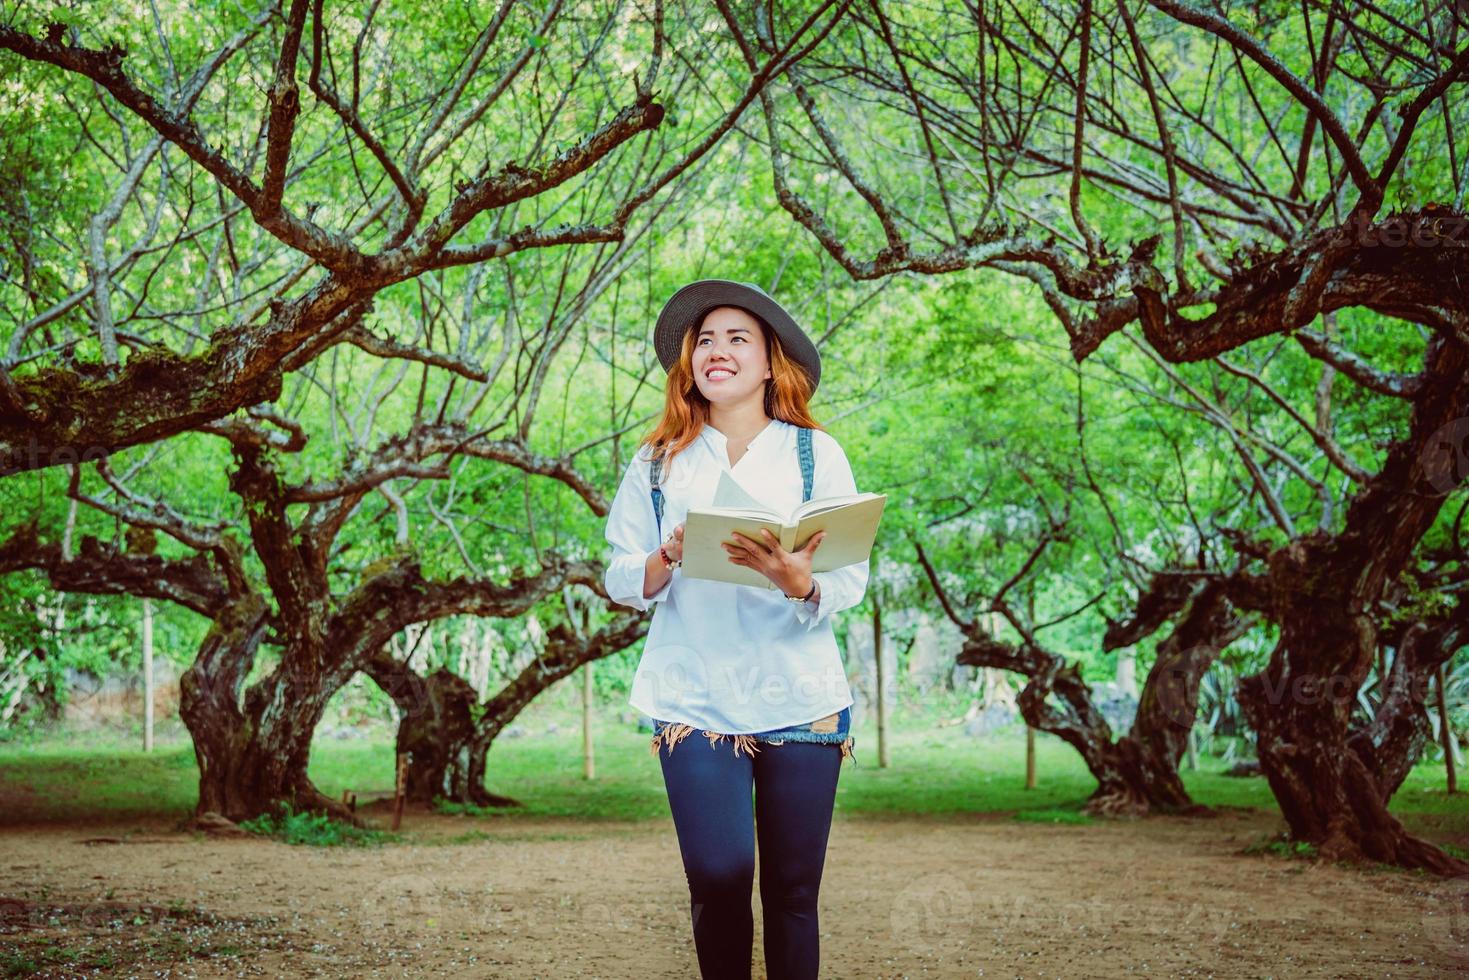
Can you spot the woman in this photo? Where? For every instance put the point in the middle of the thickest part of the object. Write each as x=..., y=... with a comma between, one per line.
x=756, y=671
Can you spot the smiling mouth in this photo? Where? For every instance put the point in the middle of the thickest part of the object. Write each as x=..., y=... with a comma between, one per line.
x=718, y=374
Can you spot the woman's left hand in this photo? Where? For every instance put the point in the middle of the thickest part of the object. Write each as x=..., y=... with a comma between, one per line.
x=789, y=570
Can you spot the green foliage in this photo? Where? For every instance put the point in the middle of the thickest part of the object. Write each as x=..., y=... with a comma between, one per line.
x=34, y=957
x=956, y=394
x=313, y=829
x=1281, y=845
x=455, y=809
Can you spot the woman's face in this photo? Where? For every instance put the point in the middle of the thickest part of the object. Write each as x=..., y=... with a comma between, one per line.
x=730, y=360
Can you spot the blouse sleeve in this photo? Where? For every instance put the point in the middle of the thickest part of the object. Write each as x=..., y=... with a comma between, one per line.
x=632, y=531
x=843, y=587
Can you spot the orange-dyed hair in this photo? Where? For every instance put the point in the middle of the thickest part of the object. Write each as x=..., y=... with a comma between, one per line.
x=685, y=409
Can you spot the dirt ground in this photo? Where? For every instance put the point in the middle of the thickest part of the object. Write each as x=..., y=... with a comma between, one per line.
x=981, y=896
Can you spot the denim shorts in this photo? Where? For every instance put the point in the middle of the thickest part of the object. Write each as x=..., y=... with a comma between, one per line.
x=834, y=729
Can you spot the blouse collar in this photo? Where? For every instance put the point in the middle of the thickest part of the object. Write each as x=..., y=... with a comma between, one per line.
x=719, y=441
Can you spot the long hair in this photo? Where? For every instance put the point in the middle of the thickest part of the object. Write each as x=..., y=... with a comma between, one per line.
x=685, y=409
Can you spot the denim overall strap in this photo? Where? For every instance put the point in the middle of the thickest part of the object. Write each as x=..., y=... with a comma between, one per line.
x=808, y=462
x=656, y=478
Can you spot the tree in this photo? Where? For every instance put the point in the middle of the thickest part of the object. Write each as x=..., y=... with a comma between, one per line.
x=447, y=733
x=1072, y=108
x=381, y=177
x=253, y=741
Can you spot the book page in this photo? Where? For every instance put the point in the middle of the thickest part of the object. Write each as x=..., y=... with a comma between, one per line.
x=850, y=521
x=823, y=504
x=850, y=532
x=729, y=493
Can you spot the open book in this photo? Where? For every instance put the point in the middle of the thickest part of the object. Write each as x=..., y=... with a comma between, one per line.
x=850, y=523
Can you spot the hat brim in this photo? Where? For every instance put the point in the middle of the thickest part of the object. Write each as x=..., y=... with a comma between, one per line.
x=687, y=306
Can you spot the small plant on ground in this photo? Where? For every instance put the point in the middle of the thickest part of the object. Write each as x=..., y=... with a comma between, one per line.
x=1282, y=846
x=453, y=809
x=315, y=829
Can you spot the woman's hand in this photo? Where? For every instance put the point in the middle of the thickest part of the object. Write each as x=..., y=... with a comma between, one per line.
x=674, y=544
x=789, y=570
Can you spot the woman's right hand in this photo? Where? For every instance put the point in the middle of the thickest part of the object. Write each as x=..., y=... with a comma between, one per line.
x=674, y=544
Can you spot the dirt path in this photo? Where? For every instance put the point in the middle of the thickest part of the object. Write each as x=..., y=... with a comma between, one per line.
x=983, y=896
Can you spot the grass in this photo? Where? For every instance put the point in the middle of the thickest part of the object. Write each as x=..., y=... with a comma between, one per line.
x=314, y=829
x=92, y=777
x=36, y=957
x=1053, y=815
x=933, y=772
x=1281, y=847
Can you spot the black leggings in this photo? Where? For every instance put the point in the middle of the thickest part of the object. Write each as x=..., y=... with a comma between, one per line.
x=709, y=793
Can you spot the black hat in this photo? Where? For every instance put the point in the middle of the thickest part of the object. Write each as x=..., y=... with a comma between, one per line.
x=688, y=306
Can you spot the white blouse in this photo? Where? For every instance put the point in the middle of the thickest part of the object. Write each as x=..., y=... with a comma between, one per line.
x=731, y=658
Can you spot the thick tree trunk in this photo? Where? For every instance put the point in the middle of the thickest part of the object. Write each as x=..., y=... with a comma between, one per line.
x=263, y=763
x=1393, y=741
x=449, y=750
x=1324, y=588
x=1140, y=772
x=1132, y=777
x=437, y=732
x=473, y=763
x=253, y=758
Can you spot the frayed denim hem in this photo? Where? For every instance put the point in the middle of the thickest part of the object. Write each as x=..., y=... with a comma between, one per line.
x=847, y=742
x=669, y=734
